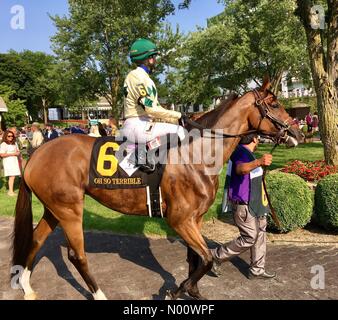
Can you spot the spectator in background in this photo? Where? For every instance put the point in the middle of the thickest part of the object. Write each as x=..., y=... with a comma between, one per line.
x=37, y=139
x=296, y=122
x=29, y=132
x=17, y=135
x=66, y=131
x=94, y=131
x=315, y=122
x=50, y=133
x=102, y=130
x=77, y=129
x=112, y=124
x=9, y=151
x=308, y=120
x=1, y=134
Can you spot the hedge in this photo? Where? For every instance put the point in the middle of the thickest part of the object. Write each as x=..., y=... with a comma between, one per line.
x=292, y=200
x=326, y=202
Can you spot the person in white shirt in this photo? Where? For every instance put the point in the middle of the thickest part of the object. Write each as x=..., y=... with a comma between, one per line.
x=141, y=107
x=37, y=139
x=9, y=152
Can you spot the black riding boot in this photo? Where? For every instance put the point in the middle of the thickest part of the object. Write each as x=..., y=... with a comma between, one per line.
x=144, y=161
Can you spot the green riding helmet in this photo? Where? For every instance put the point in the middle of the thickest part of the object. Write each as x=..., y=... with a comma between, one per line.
x=142, y=49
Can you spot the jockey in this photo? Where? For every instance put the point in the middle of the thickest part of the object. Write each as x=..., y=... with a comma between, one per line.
x=146, y=120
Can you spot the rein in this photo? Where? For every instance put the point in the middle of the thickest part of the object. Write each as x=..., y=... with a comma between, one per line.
x=264, y=110
x=218, y=134
x=272, y=210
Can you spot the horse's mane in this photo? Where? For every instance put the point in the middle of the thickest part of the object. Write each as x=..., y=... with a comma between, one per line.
x=209, y=118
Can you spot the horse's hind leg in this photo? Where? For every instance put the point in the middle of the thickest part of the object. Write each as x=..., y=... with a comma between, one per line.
x=46, y=225
x=73, y=230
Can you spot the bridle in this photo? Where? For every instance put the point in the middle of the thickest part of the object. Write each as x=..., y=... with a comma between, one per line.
x=265, y=112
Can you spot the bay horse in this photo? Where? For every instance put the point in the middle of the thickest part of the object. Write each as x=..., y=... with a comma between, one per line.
x=58, y=171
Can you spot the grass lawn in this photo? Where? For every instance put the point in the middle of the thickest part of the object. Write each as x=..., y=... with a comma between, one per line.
x=98, y=217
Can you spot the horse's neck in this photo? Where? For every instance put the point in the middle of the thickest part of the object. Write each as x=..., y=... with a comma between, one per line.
x=231, y=118
x=226, y=116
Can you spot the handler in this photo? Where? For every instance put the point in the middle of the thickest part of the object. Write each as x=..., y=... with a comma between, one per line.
x=250, y=208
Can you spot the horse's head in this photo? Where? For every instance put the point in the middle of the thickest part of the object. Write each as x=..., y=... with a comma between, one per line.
x=270, y=118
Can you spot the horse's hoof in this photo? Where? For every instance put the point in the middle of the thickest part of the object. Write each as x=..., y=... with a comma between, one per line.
x=31, y=296
x=169, y=296
x=99, y=295
x=197, y=296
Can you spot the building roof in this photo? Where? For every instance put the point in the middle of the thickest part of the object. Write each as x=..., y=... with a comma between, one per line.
x=3, y=107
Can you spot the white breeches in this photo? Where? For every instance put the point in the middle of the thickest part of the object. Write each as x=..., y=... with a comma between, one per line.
x=142, y=130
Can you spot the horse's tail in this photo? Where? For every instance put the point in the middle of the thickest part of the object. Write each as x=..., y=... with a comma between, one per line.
x=23, y=225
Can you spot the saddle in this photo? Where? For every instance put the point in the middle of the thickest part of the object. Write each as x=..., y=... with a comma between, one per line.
x=112, y=167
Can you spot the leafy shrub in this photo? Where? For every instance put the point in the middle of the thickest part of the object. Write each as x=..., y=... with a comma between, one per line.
x=309, y=170
x=326, y=202
x=292, y=200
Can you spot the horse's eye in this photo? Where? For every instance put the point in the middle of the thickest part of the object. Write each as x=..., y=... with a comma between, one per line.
x=275, y=105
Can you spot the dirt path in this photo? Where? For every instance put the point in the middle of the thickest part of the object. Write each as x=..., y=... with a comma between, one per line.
x=129, y=267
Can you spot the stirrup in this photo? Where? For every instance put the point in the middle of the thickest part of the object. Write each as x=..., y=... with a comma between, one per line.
x=147, y=168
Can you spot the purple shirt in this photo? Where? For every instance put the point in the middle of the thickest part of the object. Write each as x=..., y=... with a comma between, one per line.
x=239, y=189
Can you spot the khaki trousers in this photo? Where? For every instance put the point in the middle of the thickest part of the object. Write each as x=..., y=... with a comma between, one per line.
x=252, y=236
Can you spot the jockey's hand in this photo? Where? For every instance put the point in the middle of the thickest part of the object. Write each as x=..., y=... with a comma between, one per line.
x=266, y=159
x=183, y=120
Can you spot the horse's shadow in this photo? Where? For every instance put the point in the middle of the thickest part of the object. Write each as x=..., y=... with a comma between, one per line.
x=127, y=247
x=105, y=242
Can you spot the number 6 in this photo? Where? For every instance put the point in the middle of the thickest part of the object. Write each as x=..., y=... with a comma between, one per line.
x=103, y=157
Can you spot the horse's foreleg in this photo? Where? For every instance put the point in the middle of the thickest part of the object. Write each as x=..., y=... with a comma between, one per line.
x=194, y=261
x=190, y=232
x=46, y=225
x=73, y=230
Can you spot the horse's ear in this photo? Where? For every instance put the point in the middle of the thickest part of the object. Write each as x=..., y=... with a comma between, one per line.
x=266, y=83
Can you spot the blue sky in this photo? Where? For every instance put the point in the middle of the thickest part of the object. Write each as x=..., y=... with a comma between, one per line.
x=38, y=27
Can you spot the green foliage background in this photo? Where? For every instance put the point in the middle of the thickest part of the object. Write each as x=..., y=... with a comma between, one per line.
x=326, y=202
x=292, y=200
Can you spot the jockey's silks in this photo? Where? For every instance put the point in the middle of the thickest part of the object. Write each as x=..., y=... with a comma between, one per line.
x=141, y=99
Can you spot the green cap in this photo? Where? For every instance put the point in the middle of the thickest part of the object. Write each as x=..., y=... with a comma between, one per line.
x=142, y=49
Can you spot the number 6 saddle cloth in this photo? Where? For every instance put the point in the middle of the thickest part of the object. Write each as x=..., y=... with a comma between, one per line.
x=110, y=168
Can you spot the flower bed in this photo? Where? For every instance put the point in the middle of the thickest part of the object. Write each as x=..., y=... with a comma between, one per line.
x=311, y=171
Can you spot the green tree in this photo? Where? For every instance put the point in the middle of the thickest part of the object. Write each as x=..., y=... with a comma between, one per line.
x=19, y=76
x=322, y=47
x=46, y=80
x=246, y=41
x=17, y=112
x=96, y=36
x=32, y=76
